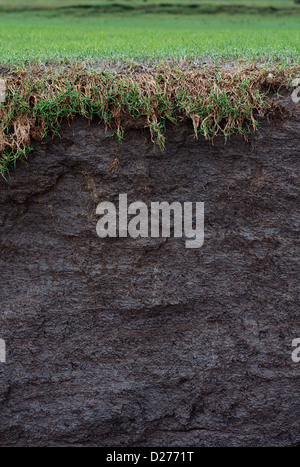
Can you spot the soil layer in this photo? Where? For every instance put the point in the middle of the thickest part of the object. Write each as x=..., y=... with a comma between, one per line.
x=142, y=342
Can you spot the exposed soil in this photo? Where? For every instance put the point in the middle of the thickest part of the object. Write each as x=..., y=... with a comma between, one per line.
x=142, y=342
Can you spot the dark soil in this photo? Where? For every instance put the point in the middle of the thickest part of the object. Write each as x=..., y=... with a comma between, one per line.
x=123, y=342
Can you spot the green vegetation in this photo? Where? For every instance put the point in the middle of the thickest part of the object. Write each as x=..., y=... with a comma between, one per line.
x=142, y=37
x=206, y=62
x=216, y=102
x=96, y=30
x=206, y=6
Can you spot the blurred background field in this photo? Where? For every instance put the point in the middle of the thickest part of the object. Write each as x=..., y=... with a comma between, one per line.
x=204, y=5
x=95, y=30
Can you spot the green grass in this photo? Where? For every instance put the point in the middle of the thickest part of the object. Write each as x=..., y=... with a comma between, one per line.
x=61, y=30
x=14, y=5
x=215, y=102
x=30, y=37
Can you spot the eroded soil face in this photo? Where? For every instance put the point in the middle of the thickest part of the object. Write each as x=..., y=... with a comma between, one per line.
x=142, y=342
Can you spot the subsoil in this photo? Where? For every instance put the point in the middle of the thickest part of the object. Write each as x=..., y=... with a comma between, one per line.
x=142, y=342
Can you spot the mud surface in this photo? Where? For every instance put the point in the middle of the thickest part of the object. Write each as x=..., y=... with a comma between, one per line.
x=142, y=342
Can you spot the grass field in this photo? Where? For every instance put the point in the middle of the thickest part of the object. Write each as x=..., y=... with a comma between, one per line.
x=14, y=5
x=53, y=30
x=216, y=100
x=28, y=37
